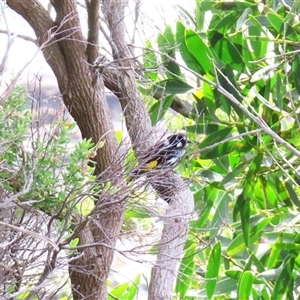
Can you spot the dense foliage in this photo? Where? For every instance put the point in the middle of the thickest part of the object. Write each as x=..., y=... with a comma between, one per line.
x=244, y=62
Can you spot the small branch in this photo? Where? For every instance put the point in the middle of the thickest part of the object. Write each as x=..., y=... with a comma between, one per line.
x=31, y=233
x=229, y=139
x=21, y=36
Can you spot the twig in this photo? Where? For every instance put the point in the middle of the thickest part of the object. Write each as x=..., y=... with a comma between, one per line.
x=21, y=36
x=31, y=233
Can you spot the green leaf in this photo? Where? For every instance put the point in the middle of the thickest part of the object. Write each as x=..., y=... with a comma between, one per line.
x=212, y=271
x=225, y=24
x=187, y=57
x=138, y=212
x=204, y=128
x=159, y=108
x=285, y=278
x=215, y=137
x=275, y=20
x=133, y=288
x=238, y=244
x=286, y=246
x=235, y=172
x=234, y=274
x=226, y=285
x=282, y=27
x=291, y=190
x=243, y=207
x=296, y=72
x=255, y=262
x=278, y=99
x=119, y=290
x=228, y=53
x=150, y=62
x=171, y=86
x=228, y=82
x=201, y=52
x=166, y=45
x=186, y=270
x=226, y=148
x=258, y=44
x=210, y=194
x=209, y=98
x=245, y=285
x=274, y=256
x=221, y=213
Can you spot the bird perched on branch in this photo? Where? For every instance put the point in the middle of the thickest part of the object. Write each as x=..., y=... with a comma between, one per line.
x=164, y=155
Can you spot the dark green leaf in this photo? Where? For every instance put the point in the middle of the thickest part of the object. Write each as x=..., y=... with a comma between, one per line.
x=233, y=5
x=235, y=172
x=296, y=72
x=283, y=281
x=215, y=137
x=278, y=99
x=201, y=52
x=244, y=209
x=159, y=108
x=166, y=44
x=291, y=190
x=228, y=82
x=187, y=57
x=212, y=271
x=228, y=53
x=238, y=243
x=275, y=20
x=150, y=62
x=171, y=86
x=225, y=23
x=186, y=270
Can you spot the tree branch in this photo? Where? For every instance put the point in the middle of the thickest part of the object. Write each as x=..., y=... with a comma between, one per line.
x=139, y=127
x=93, y=7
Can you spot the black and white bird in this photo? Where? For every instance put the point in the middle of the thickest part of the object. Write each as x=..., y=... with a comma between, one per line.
x=164, y=155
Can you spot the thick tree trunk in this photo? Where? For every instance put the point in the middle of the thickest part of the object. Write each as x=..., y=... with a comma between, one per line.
x=171, y=188
x=66, y=51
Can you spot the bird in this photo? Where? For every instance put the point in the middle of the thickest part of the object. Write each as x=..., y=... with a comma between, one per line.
x=165, y=155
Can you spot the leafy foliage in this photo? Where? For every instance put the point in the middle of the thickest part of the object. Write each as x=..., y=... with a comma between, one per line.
x=37, y=164
x=243, y=57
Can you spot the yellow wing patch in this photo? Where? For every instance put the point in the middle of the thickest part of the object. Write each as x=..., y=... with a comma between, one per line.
x=151, y=165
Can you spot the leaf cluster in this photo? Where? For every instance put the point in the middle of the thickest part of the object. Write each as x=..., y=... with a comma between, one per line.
x=240, y=65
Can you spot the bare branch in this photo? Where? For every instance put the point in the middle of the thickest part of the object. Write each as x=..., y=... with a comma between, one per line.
x=31, y=233
x=21, y=36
